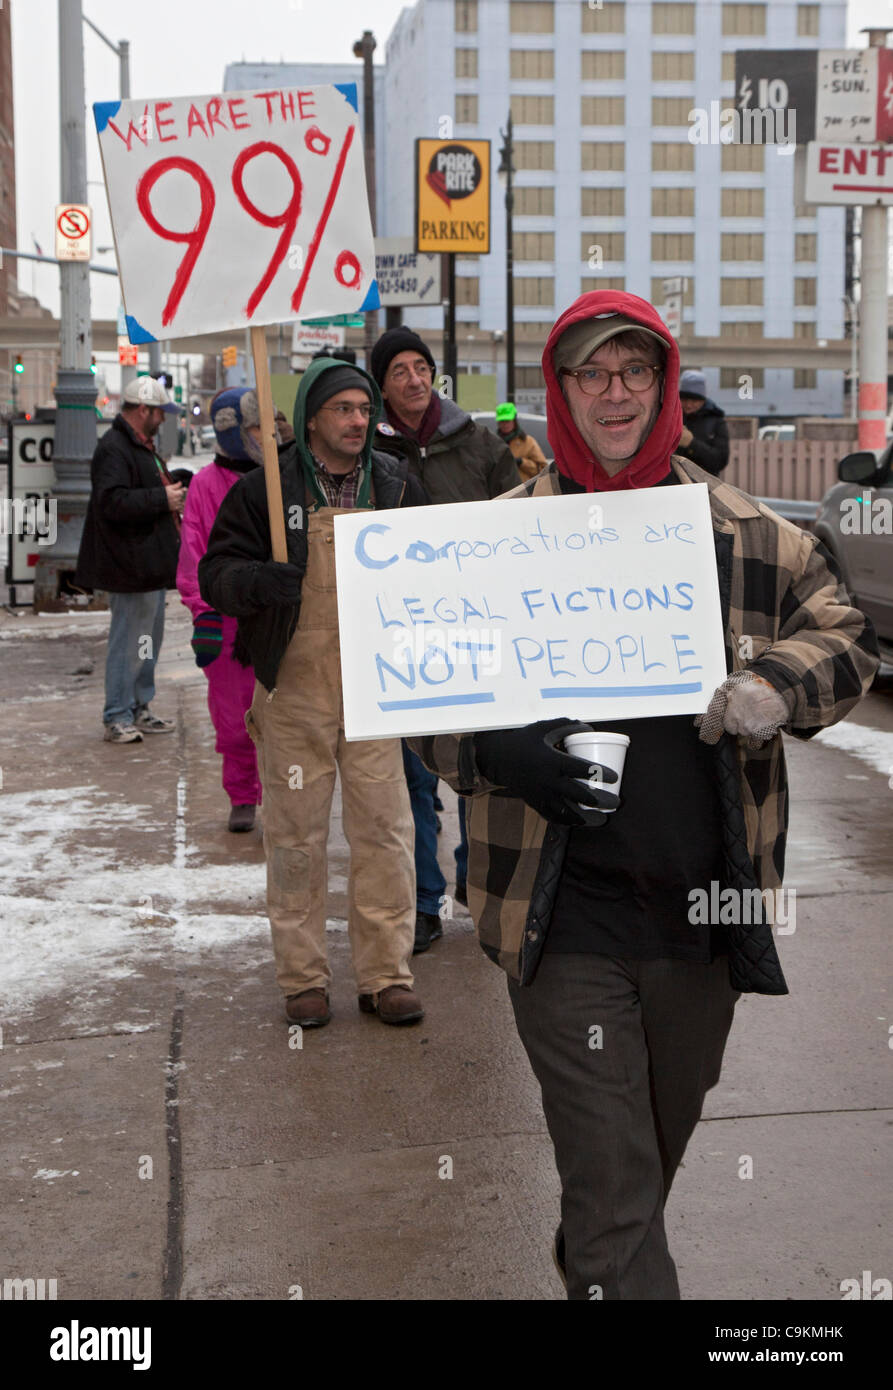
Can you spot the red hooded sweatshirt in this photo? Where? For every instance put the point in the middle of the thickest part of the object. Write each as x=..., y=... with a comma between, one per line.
x=573, y=457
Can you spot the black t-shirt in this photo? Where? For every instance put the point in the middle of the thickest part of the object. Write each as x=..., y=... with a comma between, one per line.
x=624, y=889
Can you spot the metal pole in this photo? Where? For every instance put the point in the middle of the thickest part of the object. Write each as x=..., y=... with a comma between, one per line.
x=364, y=48
x=75, y=434
x=873, y=315
x=451, y=364
x=853, y=323
x=509, y=269
x=124, y=61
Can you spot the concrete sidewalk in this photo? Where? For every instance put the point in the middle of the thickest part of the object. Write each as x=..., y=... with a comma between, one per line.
x=170, y=1139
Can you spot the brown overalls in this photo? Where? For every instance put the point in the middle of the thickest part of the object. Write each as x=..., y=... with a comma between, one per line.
x=299, y=734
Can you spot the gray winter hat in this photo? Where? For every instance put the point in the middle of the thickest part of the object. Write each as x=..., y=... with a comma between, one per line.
x=693, y=383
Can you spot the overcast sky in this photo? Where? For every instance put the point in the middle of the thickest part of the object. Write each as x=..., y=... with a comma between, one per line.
x=178, y=48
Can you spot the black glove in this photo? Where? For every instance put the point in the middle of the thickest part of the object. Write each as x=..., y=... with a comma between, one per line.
x=526, y=763
x=276, y=585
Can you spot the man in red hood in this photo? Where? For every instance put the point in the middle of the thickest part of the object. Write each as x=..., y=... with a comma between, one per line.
x=623, y=987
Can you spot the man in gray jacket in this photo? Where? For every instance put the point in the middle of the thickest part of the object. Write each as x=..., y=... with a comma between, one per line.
x=456, y=460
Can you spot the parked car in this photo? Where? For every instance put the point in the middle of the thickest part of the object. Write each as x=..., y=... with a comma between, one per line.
x=855, y=522
x=207, y=437
x=779, y=432
x=530, y=424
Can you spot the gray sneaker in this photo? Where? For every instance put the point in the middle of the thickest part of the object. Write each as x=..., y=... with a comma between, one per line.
x=149, y=724
x=122, y=733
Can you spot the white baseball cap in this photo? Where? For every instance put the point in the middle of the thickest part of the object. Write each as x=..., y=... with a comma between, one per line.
x=147, y=391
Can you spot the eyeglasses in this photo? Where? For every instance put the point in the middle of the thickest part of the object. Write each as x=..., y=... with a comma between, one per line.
x=401, y=373
x=594, y=381
x=344, y=411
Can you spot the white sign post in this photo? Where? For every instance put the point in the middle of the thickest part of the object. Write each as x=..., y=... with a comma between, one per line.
x=491, y=615
x=73, y=232
x=404, y=275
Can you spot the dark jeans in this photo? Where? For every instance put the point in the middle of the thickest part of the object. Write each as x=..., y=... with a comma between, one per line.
x=430, y=882
x=461, y=850
x=621, y=1103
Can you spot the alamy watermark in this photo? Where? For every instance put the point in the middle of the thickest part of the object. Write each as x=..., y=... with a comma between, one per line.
x=29, y=516
x=726, y=907
x=726, y=125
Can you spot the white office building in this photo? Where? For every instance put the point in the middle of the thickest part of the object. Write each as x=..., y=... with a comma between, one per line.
x=610, y=190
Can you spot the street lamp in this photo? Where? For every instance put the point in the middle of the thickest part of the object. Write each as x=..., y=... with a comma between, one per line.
x=504, y=174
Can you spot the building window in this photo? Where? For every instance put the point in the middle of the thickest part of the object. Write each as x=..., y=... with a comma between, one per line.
x=804, y=290
x=728, y=67
x=531, y=17
x=460, y=259
x=602, y=202
x=600, y=65
x=740, y=290
x=534, y=154
x=672, y=19
x=741, y=246
x=529, y=378
x=466, y=108
x=535, y=290
x=673, y=157
x=534, y=202
x=742, y=202
x=466, y=16
x=602, y=111
x=533, y=246
x=672, y=246
x=742, y=159
x=610, y=19
x=730, y=378
x=740, y=329
x=466, y=62
x=672, y=67
x=657, y=290
x=744, y=19
x=588, y=283
x=468, y=289
x=808, y=21
x=804, y=330
x=804, y=246
x=611, y=244
x=804, y=212
x=805, y=378
x=602, y=154
x=533, y=110
x=672, y=202
x=532, y=64
x=670, y=110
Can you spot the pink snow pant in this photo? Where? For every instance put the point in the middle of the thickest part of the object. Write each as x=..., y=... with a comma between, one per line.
x=230, y=692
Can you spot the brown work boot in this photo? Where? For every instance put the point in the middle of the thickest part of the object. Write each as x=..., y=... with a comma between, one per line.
x=310, y=1008
x=396, y=1004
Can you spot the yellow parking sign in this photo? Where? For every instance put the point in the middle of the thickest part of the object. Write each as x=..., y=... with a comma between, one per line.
x=453, y=196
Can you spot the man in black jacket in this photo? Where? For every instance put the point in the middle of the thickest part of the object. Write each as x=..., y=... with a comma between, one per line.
x=705, y=435
x=129, y=547
x=288, y=626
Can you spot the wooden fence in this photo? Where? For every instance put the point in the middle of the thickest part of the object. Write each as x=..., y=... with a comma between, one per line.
x=799, y=470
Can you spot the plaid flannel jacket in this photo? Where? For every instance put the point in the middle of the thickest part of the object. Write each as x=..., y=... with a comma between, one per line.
x=781, y=594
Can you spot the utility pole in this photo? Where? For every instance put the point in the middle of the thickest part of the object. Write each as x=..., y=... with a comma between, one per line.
x=75, y=434
x=504, y=174
x=364, y=48
x=873, y=313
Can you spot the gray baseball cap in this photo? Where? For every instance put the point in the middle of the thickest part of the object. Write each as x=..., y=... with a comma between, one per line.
x=577, y=344
x=147, y=391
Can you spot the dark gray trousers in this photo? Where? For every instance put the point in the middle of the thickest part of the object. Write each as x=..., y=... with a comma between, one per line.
x=624, y=1052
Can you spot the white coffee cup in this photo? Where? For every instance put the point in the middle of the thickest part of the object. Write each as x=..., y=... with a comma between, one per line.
x=600, y=747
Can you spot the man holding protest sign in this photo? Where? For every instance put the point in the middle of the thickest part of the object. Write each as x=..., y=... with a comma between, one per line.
x=623, y=995
x=288, y=627
x=456, y=460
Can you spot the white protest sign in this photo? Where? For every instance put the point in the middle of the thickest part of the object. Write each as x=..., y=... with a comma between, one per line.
x=488, y=615
x=259, y=215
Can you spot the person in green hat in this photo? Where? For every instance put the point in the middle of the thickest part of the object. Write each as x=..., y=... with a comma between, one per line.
x=528, y=454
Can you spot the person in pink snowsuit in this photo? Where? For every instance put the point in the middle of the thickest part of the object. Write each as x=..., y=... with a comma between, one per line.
x=236, y=421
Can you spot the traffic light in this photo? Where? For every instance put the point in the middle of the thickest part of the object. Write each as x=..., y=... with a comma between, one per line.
x=19, y=364
x=93, y=365
x=230, y=356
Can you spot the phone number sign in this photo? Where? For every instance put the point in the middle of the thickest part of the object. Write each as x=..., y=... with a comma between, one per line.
x=236, y=210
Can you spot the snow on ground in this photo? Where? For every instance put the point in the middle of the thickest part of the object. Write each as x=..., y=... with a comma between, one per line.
x=872, y=746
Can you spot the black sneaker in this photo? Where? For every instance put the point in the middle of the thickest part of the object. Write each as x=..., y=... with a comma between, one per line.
x=461, y=894
x=428, y=928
